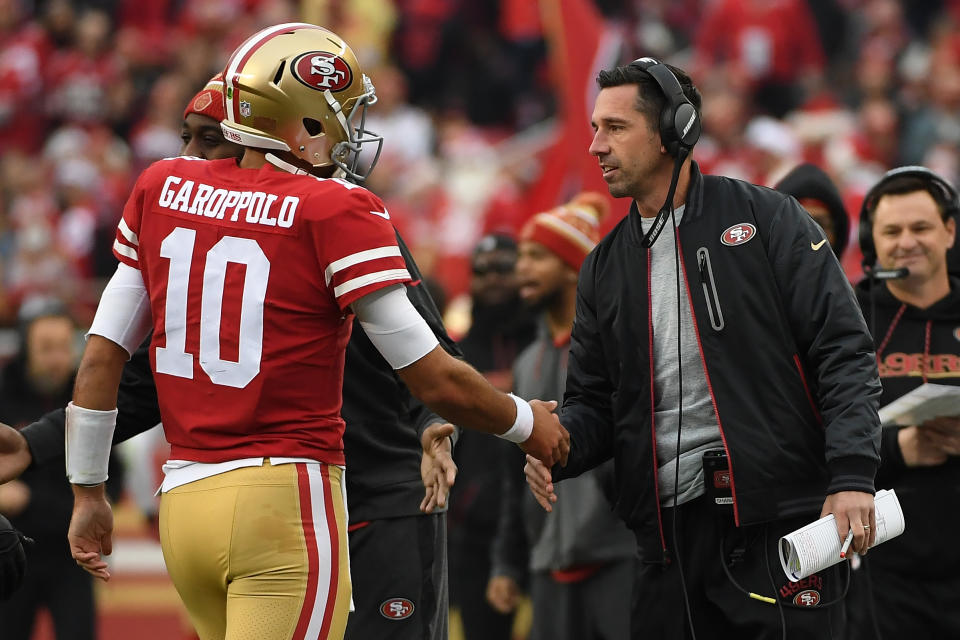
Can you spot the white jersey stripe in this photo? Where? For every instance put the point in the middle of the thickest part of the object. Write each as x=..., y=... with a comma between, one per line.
x=360, y=256
x=128, y=233
x=321, y=534
x=124, y=250
x=229, y=78
x=371, y=278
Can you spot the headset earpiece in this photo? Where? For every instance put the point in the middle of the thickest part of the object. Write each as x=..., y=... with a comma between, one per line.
x=680, y=124
x=865, y=225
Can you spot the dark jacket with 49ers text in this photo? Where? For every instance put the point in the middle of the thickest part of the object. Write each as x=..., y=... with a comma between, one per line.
x=915, y=346
x=384, y=421
x=788, y=358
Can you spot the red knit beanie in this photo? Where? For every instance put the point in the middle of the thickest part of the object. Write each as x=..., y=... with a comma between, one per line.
x=209, y=101
x=570, y=230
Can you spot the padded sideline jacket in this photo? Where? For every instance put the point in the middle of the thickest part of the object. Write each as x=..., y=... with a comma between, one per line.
x=788, y=358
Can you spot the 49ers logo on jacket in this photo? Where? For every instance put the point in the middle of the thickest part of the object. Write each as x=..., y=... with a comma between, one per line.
x=396, y=609
x=321, y=71
x=807, y=598
x=738, y=234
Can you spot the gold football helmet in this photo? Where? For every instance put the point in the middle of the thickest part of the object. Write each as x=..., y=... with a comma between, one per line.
x=298, y=87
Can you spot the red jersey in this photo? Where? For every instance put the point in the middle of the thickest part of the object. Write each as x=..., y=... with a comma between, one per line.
x=250, y=274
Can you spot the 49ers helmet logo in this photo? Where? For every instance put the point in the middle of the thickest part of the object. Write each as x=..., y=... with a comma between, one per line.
x=321, y=70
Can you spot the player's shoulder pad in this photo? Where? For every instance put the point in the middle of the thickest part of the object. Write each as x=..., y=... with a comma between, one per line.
x=350, y=197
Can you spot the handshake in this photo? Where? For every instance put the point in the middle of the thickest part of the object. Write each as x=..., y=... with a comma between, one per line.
x=548, y=442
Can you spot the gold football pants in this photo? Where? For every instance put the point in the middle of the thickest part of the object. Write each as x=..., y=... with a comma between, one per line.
x=260, y=553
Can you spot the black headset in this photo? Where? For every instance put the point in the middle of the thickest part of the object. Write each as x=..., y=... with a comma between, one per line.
x=946, y=197
x=679, y=130
x=680, y=124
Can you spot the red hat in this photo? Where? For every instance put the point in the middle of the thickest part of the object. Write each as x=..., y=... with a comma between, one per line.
x=572, y=230
x=209, y=102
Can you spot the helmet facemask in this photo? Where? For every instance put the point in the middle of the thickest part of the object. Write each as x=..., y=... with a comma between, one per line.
x=346, y=153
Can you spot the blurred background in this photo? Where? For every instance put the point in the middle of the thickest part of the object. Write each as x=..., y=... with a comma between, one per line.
x=484, y=105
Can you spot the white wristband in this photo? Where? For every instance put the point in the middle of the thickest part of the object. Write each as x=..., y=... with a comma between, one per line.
x=523, y=425
x=88, y=440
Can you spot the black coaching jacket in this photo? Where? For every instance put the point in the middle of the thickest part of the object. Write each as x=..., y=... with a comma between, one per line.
x=383, y=420
x=789, y=360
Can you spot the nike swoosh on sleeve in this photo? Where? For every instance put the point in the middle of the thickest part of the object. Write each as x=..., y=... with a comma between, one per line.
x=816, y=247
x=382, y=214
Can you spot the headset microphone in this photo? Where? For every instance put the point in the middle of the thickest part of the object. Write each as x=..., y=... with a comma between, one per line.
x=886, y=274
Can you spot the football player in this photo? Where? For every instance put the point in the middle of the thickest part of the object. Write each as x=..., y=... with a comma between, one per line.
x=398, y=555
x=249, y=274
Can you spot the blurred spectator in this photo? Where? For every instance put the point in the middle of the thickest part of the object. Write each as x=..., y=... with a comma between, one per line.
x=81, y=77
x=580, y=556
x=872, y=145
x=819, y=196
x=157, y=135
x=39, y=380
x=499, y=330
x=24, y=48
x=721, y=149
x=769, y=46
x=774, y=147
x=406, y=164
x=938, y=120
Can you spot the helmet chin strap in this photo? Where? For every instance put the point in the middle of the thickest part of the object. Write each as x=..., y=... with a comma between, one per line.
x=285, y=166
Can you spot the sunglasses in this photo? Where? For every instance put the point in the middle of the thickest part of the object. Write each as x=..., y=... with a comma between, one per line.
x=501, y=268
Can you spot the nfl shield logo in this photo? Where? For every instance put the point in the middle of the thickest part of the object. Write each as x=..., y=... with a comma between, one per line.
x=245, y=108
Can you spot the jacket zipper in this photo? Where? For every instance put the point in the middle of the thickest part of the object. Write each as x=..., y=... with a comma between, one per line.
x=709, y=289
x=701, y=258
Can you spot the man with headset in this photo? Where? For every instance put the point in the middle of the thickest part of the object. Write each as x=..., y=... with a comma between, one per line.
x=907, y=225
x=727, y=371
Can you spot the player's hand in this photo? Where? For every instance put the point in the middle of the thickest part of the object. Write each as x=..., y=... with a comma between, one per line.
x=503, y=594
x=942, y=433
x=91, y=527
x=14, y=453
x=437, y=468
x=549, y=442
x=853, y=510
x=540, y=482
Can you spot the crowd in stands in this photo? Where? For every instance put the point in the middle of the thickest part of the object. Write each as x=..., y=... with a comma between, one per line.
x=92, y=91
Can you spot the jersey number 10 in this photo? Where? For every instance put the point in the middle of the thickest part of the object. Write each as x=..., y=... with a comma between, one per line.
x=173, y=359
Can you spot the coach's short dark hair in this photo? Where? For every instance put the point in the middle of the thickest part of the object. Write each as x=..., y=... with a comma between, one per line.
x=650, y=97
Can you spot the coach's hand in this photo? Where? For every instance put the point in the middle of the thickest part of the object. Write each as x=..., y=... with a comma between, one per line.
x=854, y=511
x=549, y=442
x=90, y=529
x=13, y=561
x=437, y=468
x=14, y=454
